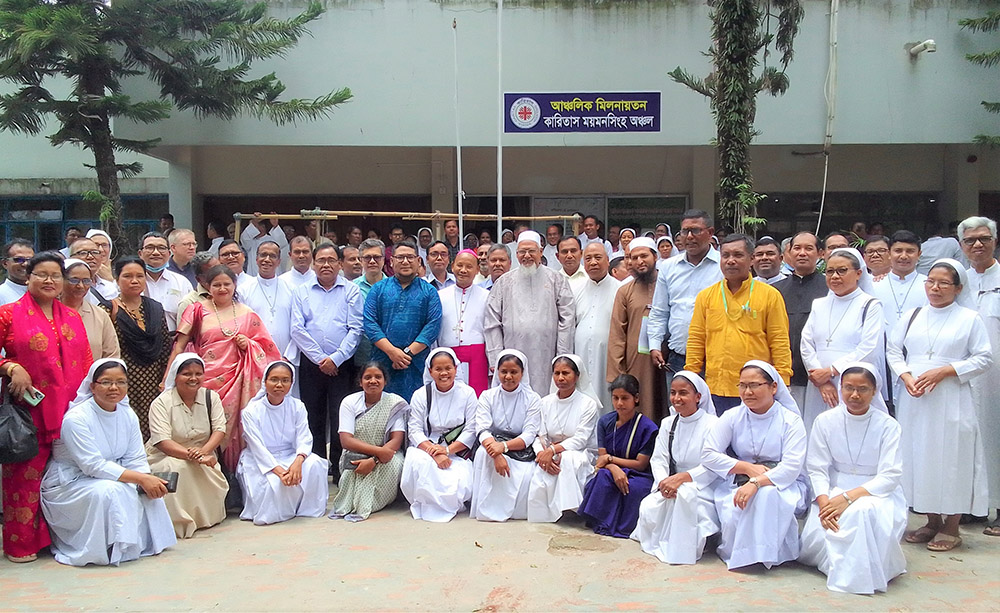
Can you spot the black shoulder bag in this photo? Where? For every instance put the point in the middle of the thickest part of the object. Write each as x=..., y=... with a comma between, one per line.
x=450, y=436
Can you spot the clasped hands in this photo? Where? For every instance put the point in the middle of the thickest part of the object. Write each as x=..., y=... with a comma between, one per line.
x=823, y=379
x=366, y=466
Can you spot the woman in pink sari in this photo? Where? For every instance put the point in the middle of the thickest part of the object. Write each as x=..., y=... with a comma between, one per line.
x=46, y=350
x=235, y=346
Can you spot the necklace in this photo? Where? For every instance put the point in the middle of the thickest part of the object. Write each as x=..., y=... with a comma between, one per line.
x=270, y=302
x=850, y=454
x=135, y=314
x=754, y=449
x=830, y=331
x=225, y=332
x=743, y=309
x=899, y=305
x=930, y=347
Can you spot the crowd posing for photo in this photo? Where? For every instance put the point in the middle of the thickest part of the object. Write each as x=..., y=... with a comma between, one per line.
x=773, y=400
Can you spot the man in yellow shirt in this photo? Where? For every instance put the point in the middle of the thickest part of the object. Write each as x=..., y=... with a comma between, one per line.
x=735, y=320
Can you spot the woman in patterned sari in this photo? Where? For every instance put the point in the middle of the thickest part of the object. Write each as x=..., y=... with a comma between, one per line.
x=372, y=430
x=236, y=347
x=47, y=350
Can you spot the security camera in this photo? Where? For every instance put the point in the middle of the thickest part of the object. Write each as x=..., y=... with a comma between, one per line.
x=928, y=45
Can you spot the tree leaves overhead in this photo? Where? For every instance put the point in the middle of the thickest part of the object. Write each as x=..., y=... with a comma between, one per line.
x=989, y=23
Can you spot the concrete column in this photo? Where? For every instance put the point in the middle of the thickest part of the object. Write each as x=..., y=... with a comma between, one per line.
x=704, y=178
x=960, y=189
x=180, y=192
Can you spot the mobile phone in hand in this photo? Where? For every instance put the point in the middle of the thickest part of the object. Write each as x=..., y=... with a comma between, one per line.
x=32, y=396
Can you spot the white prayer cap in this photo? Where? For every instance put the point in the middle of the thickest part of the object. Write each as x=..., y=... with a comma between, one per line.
x=582, y=382
x=530, y=235
x=705, y=404
x=783, y=396
x=175, y=368
x=964, y=297
x=642, y=241
x=624, y=230
x=665, y=237
x=71, y=262
x=84, y=394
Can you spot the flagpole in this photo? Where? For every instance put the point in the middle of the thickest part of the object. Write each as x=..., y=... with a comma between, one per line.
x=458, y=140
x=500, y=121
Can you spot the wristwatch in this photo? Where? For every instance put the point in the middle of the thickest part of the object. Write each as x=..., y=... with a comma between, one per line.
x=408, y=352
x=753, y=480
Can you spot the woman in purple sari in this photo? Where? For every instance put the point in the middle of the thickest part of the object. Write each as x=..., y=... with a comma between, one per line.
x=625, y=441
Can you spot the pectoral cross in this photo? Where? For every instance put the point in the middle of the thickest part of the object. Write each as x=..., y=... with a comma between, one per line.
x=828, y=341
x=930, y=353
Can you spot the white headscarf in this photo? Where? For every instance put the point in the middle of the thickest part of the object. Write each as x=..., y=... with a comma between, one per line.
x=866, y=283
x=525, y=378
x=877, y=401
x=705, y=404
x=71, y=262
x=94, y=232
x=429, y=231
x=505, y=231
x=669, y=231
x=84, y=394
x=642, y=241
x=175, y=367
x=964, y=297
x=583, y=384
x=783, y=396
x=430, y=358
x=262, y=392
x=634, y=235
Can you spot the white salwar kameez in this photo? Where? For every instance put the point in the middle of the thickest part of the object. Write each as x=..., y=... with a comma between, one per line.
x=944, y=466
x=497, y=498
x=571, y=423
x=847, y=451
x=275, y=435
x=840, y=330
x=675, y=529
x=766, y=531
x=986, y=388
x=94, y=517
x=438, y=494
x=594, y=303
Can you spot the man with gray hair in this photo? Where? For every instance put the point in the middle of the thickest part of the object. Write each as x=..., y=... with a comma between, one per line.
x=978, y=237
x=498, y=259
x=183, y=246
x=372, y=252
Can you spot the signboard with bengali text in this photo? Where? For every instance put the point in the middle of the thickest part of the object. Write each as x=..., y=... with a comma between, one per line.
x=582, y=112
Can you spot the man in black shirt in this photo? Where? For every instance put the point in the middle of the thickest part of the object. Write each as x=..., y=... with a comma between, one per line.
x=799, y=290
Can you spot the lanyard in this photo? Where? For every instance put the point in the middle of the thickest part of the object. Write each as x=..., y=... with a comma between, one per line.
x=745, y=308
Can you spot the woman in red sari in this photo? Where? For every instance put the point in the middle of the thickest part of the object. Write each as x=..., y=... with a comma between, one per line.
x=46, y=350
x=235, y=346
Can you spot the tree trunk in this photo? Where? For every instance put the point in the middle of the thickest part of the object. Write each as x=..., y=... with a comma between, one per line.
x=734, y=29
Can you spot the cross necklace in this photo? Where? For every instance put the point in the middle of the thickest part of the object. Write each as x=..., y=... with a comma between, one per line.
x=829, y=336
x=927, y=327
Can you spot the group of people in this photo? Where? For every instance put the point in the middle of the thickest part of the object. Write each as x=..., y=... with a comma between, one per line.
x=717, y=389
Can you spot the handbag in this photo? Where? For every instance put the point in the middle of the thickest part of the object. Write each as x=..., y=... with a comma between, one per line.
x=234, y=497
x=18, y=434
x=450, y=436
x=741, y=480
x=521, y=455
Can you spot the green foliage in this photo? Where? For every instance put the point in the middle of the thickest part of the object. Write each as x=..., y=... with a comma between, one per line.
x=742, y=38
x=989, y=23
x=199, y=53
x=106, y=204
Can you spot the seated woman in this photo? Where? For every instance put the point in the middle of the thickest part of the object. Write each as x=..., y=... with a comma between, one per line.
x=280, y=476
x=679, y=515
x=89, y=496
x=566, y=444
x=372, y=430
x=625, y=441
x=186, y=426
x=855, y=464
x=507, y=422
x=437, y=474
x=765, y=487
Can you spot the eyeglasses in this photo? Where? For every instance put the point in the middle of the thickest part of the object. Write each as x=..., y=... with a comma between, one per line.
x=106, y=384
x=840, y=272
x=372, y=258
x=523, y=252
x=160, y=248
x=327, y=261
x=750, y=386
x=692, y=231
x=850, y=389
x=935, y=283
x=268, y=256
x=404, y=258
x=18, y=260
x=281, y=380
x=972, y=240
x=438, y=256
x=879, y=251
x=38, y=275
x=229, y=255
x=90, y=253
x=83, y=282
x=188, y=244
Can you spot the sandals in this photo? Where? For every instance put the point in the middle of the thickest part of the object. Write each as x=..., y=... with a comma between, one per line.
x=944, y=542
x=993, y=528
x=22, y=559
x=920, y=535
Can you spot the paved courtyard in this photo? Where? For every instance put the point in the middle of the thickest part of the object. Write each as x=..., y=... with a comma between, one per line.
x=392, y=562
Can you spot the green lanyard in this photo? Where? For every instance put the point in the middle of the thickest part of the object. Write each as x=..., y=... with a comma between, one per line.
x=744, y=309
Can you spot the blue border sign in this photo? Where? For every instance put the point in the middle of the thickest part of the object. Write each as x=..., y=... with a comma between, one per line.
x=582, y=112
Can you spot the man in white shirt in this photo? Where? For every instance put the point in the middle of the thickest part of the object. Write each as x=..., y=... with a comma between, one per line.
x=463, y=308
x=938, y=246
x=231, y=255
x=270, y=297
x=216, y=233
x=300, y=255
x=570, y=253
x=499, y=261
x=677, y=285
x=258, y=231
x=594, y=301
x=767, y=260
x=551, y=252
x=16, y=254
x=72, y=234
x=87, y=250
x=591, y=229
x=437, y=266
x=162, y=285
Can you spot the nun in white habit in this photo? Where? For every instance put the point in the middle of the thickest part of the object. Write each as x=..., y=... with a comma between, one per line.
x=858, y=515
x=280, y=476
x=758, y=519
x=935, y=350
x=844, y=326
x=507, y=421
x=90, y=491
x=437, y=474
x=566, y=445
x=679, y=514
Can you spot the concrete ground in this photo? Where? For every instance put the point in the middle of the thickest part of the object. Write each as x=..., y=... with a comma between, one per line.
x=392, y=562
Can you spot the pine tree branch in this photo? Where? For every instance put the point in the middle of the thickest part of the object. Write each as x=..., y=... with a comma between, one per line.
x=989, y=23
x=679, y=75
x=987, y=59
